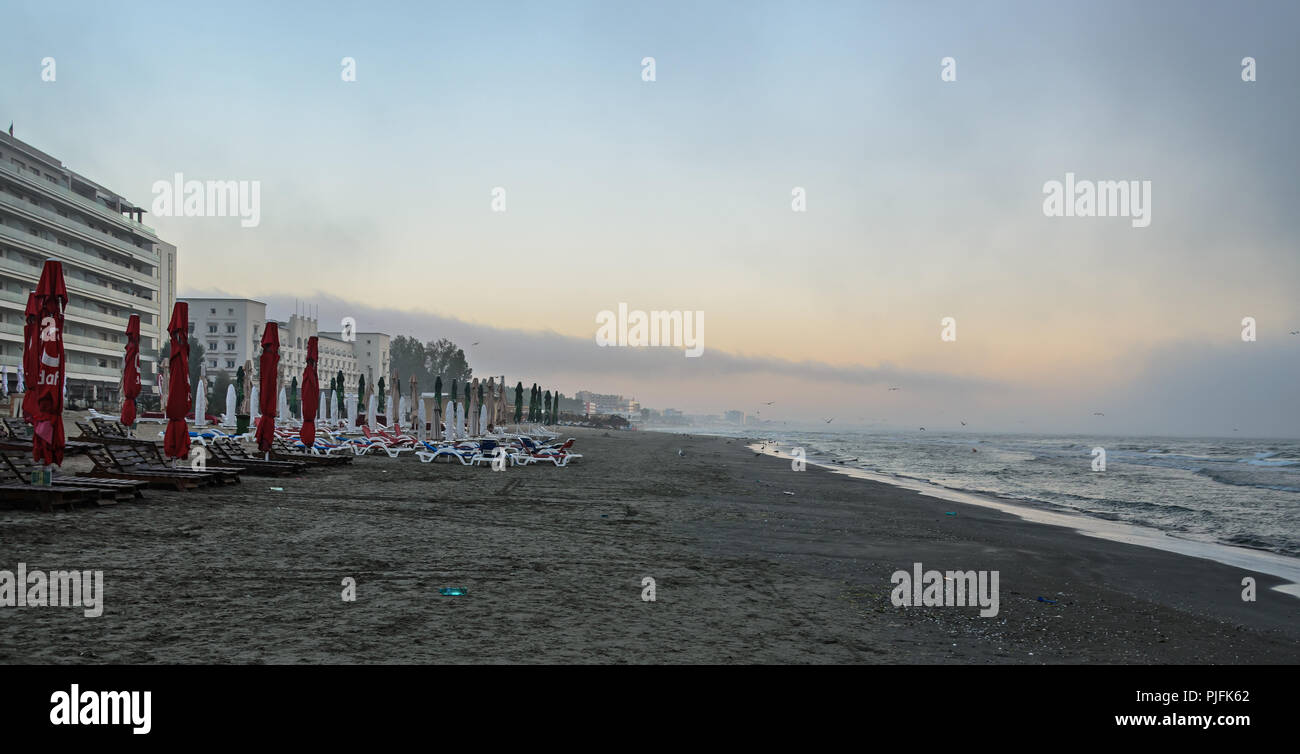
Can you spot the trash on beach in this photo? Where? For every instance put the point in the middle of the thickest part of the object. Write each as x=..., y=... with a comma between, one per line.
x=786, y=492
x=1044, y=599
x=452, y=591
x=949, y=513
x=277, y=489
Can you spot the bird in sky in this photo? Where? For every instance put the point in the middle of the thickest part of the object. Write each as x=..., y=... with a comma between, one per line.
x=474, y=343
x=922, y=429
x=1295, y=332
x=828, y=421
x=1097, y=413
x=963, y=424
x=769, y=403
x=893, y=388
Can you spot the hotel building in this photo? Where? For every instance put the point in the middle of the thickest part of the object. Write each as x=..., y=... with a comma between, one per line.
x=113, y=265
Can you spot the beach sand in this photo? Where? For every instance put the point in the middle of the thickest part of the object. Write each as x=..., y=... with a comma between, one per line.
x=553, y=561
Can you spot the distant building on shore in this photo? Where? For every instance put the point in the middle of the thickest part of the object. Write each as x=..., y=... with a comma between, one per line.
x=113, y=264
x=231, y=330
x=734, y=417
x=600, y=404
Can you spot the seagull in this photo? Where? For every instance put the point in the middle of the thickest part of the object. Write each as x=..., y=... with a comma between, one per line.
x=828, y=421
x=681, y=453
x=1295, y=332
x=1097, y=413
x=474, y=343
x=963, y=424
x=769, y=403
x=922, y=429
x=893, y=388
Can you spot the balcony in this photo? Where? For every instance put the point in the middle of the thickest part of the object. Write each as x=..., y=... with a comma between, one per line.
x=65, y=194
x=40, y=245
x=31, y=275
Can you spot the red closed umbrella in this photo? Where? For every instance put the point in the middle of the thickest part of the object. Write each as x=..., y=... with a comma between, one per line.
x=310, y=394
x=268, y=368
x=176, y=442
x=131, y=370
x=47, y=415
x=31, y=356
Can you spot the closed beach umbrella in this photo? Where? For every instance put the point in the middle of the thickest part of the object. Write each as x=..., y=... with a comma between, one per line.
x=372, y=409
x=395, y=405
x=268, y=368
x=176, y=442
x=295, y=410
x=31, y=353
x=282, y=406
x=131, y=370
x=343, y=409
x=422, y=419
x=255, y=400
x=201, y=397
x=47, y=414
x=414, y=396
x=310, y=394
x=482, y=419
x=361, y=395
x=475, y=390
x=460, y=420
x=437, y=405
x=231, y=405
x=519, y=402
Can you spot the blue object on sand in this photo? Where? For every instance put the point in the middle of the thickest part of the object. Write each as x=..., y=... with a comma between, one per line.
x=452, y=591
x=949, y=513
x=1044, y=599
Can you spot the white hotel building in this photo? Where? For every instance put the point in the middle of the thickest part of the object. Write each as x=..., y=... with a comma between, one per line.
x=230, y=329
x=114, y=266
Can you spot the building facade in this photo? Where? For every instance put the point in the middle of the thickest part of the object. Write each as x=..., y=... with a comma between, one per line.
x=113, y=265
x=231, y=330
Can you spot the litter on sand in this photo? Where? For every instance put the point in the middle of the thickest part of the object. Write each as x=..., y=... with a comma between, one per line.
x=277, y=489
x=452, y=591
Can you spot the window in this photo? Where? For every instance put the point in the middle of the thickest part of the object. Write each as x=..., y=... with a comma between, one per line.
x=212, y=329
x=214, y=310
x=230, y=363
x=231, y=312
x=212, y=345
x=230, y=345
x=103, y=363
x=212, y=364
x=230, y=329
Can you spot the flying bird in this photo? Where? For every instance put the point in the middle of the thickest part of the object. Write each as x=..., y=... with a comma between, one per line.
x=963, y=424
x=769, y=403
x=474, y=343
x=893, y=388
x=1295, y=332
x=828, y=421
x=922, y=429
x=1097, y=413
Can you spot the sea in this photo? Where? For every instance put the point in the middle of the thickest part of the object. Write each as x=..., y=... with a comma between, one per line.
x=1243, y=493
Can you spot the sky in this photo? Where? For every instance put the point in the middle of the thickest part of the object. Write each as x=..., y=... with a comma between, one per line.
x=924, y=197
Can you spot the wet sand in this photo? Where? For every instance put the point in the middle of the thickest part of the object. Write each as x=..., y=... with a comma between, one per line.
x=553, y=561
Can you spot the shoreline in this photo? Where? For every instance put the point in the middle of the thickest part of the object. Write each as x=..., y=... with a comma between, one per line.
x=1258, y=561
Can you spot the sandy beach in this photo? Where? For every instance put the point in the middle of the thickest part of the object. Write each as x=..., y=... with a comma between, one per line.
x=553, y=562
